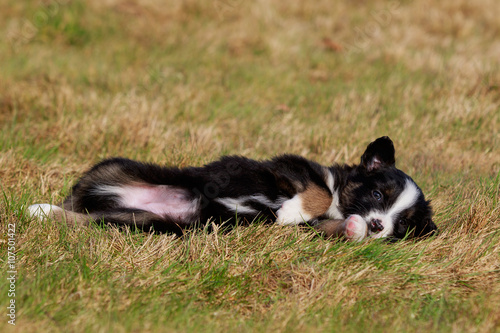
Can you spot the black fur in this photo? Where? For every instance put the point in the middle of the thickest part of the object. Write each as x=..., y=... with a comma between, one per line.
x=273, y=182
x=231, y=176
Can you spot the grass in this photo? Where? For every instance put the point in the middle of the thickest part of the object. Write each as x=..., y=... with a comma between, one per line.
x=181, y=83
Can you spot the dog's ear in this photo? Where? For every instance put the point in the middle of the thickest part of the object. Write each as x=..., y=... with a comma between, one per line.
x=379, y=154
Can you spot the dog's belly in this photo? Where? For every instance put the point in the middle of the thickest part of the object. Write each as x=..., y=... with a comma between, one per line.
x=163, y=200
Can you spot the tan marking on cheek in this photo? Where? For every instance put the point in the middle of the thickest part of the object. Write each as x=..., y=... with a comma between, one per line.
x=389, y=192
x=315, y=200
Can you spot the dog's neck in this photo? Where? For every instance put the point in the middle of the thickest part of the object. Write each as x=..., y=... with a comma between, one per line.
x=336, y=180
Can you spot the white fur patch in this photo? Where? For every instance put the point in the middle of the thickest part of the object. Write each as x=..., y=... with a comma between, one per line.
x=292, y=212
x=240, y=205
x=237, y=205
x=42, y=211
x=405, y=200
x=333, y=211
x=263, y=200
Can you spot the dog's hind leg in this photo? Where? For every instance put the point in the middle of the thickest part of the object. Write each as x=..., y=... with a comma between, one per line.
x=45, y=211
x=141, y=220
x=135, y=219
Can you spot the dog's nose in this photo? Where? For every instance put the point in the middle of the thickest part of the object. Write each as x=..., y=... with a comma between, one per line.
x=376, y=225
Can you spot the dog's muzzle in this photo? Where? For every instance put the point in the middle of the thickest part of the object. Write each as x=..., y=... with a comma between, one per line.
x=376, y=225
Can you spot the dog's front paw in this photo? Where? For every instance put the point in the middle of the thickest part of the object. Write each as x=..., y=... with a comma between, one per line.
x=291, y=212
x=355, y=228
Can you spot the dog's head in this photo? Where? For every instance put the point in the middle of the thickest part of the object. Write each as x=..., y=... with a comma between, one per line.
x=387, y=199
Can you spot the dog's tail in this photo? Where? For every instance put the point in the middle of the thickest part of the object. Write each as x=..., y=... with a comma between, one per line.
x=133, y=218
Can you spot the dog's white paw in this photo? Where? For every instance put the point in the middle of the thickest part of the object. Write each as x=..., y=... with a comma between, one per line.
x=290, y=218
x=41, y=211
x=355, y=228
x=291, y=212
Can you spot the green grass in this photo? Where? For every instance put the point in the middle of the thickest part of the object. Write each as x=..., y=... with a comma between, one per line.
x=184, y=83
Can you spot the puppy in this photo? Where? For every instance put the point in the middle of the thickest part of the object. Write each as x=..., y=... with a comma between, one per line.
x=370, y=200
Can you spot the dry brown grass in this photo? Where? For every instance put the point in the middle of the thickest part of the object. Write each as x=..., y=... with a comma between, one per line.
x=185, y=82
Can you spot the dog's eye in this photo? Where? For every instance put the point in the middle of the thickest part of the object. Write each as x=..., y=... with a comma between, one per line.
x=377, y=195
x=403, y=222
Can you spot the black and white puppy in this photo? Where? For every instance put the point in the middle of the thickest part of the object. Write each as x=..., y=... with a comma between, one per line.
x=369, y=200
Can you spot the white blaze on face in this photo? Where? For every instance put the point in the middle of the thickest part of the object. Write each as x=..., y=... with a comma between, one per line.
x=405, y=200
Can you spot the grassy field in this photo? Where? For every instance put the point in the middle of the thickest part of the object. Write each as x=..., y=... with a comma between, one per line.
x=183, y=82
